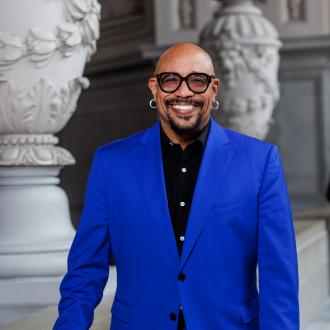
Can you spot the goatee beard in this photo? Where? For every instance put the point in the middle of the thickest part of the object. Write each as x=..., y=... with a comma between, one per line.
x=186, y=133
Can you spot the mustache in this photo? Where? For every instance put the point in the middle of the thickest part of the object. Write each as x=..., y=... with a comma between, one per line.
x=187, y=101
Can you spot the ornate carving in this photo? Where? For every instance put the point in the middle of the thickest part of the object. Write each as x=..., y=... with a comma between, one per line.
x=296, y=10
x=32, y=149
x=37, y=139
x=12, y=50
x=40, y=109
x=87, y=14
x=34, y=155
x=40, y=44
x=70, y=37
x=239, y=60
x=245, y=50
x=29, y=116
x=251, y=116
x=187, y=12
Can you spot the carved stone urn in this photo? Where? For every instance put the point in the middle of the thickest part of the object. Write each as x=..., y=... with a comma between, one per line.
x=245, y=49
x=44, y=46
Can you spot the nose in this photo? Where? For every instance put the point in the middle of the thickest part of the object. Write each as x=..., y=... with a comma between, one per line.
x=184, y=91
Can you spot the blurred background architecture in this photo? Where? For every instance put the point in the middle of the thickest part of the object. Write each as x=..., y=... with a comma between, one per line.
x=273, y=60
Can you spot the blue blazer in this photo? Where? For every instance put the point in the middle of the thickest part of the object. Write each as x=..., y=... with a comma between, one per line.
x=240, y=217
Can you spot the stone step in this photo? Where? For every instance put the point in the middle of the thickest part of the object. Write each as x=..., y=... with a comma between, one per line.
x=44, y=319
x=322, y=319
x=313, y=260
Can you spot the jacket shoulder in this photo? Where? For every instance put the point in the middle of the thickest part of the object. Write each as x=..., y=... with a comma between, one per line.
x=243, y=141
x=123, y=145
x=126, y=143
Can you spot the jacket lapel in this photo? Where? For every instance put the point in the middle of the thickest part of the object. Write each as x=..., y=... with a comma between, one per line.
x=215, y=162
x=152, y=184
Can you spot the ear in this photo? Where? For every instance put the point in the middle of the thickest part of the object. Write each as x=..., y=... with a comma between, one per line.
x=152, y=83
x=215, y=87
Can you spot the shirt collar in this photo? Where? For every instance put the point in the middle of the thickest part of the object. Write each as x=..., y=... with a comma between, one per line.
x=202, y=137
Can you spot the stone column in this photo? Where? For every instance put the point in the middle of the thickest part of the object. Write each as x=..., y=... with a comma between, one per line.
x=245, y=47
x=44, y=46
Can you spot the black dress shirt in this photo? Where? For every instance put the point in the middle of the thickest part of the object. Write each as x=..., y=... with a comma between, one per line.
x=181, y=169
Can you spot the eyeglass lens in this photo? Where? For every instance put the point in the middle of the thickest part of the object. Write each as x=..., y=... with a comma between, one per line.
x=197, y=82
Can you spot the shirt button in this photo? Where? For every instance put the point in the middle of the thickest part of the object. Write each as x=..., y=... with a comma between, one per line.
x=171, y=143
x=184, y=170
x=181, y=238
x=182, y=203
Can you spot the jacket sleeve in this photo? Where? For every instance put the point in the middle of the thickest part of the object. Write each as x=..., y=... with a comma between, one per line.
x=277, y=255
x=88, y=261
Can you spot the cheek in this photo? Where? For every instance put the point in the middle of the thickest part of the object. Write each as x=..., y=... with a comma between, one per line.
x=208, y=102
x=160, y=97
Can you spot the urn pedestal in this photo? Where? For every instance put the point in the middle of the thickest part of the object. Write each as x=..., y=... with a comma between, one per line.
x=44, y=46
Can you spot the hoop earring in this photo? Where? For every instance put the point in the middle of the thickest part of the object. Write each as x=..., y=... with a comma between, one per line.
x=216, y=106
x=153, y=104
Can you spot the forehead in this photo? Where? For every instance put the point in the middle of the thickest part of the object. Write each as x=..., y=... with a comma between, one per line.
x=184, y=63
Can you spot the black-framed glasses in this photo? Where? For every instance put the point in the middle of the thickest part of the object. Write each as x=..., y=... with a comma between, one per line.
x=197, y=82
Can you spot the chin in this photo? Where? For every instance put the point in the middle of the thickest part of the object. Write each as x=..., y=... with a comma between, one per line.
x=186, y=127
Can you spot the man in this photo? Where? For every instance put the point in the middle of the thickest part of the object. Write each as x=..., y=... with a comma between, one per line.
x=188, y=209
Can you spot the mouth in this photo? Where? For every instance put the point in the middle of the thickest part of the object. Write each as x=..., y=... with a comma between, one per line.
x=184, y=108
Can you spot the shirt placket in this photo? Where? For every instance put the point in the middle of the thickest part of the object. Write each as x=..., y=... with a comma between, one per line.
x=183, y=173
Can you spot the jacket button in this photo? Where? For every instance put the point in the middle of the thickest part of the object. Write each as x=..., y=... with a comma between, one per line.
x=173, y=316
x=181, y=277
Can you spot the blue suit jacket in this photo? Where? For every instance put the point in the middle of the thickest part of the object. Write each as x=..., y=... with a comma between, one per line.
x=240, y=217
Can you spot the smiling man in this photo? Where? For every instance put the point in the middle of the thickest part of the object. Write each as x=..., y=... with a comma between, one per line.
x=188, y=209
x=184, y=109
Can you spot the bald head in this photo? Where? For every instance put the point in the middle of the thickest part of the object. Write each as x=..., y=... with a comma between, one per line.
x=185, y=53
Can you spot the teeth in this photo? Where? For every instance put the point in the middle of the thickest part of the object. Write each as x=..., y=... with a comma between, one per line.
x=183, y=107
